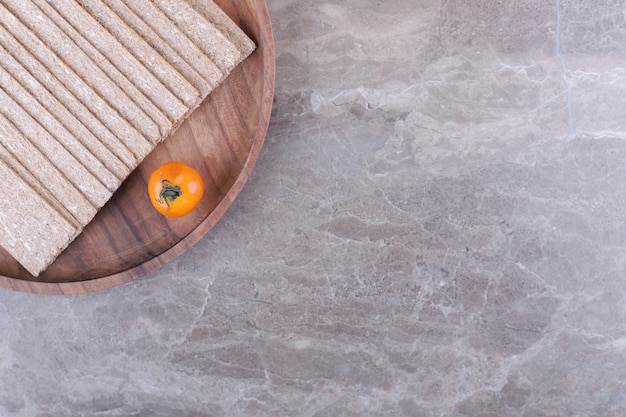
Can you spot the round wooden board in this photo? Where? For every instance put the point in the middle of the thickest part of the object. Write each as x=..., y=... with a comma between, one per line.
x=221, y=139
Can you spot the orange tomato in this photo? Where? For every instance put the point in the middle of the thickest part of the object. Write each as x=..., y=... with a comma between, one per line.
x=175, y=189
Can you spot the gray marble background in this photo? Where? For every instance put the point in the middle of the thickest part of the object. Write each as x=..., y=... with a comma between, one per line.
x=436, y=226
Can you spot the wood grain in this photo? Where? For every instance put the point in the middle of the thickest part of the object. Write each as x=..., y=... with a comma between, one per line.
x=221, y=139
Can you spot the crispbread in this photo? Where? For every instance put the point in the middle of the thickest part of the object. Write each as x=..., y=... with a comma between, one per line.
x=171, y=34
x=67, y=119
x=188, y=60
x=65, y=50
x=87, y=89
x=47, y=174
x=13, y=163
x=70, y=89
x=54, y=128
x=118, y=55
x=30, y=229
x=201, y=32
x=106, y=65
x=40, y=139
x=141, y=50
x=214, y=14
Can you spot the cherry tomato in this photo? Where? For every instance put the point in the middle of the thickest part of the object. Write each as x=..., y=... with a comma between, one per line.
x=175, y=189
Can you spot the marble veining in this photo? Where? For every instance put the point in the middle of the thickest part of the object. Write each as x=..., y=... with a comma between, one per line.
x=568, y=84
x=436, y=227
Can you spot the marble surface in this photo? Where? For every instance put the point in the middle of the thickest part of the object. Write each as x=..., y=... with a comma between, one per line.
x=436, y=226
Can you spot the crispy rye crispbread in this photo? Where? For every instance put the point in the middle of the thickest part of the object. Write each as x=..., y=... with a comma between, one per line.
x=87, y=89
x=34, y=231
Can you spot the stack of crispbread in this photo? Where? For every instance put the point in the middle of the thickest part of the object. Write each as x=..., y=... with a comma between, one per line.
x=87, y=89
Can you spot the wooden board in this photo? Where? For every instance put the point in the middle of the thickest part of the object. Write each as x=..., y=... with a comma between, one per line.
x=222, y=139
